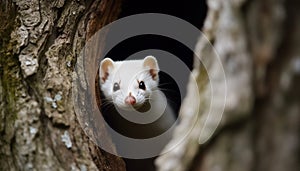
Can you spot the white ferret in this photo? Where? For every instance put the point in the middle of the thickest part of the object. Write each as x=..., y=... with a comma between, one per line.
x=132, y=87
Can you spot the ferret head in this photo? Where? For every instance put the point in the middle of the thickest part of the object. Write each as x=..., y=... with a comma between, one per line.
x=128, y=83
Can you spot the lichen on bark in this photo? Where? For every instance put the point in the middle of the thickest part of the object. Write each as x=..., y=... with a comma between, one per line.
x=39, y=45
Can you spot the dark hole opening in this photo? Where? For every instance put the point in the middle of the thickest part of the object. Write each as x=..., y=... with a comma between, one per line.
x=167, y=84
x=194, y=12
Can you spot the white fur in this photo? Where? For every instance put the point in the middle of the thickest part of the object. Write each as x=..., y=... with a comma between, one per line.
x=127, y=74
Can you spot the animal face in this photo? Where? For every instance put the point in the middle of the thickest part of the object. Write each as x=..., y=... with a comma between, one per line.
x=128, y=83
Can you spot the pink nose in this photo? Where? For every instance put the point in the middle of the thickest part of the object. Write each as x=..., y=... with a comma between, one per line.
x=130, y=100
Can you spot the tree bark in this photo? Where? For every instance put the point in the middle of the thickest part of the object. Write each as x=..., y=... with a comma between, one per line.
x=40, y=42
x=258, y=44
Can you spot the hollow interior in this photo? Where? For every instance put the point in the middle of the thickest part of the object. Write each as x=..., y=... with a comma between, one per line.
x=193, y=11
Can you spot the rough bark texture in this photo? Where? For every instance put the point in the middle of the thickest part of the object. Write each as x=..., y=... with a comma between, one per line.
x=258, y=44
x=40, y=42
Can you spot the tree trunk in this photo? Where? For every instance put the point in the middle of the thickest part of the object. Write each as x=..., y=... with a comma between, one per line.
x=39, y=45
x=258, y=44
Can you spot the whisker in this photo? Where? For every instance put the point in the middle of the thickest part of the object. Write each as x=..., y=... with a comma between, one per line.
x=148, y=98
x=106, y=101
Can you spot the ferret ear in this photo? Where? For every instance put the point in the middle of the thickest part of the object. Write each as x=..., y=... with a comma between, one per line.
x=106, y=66
x=150, y=63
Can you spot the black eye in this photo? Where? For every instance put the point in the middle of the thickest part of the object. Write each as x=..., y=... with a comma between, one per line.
x=116, y=87
x=142, y=85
